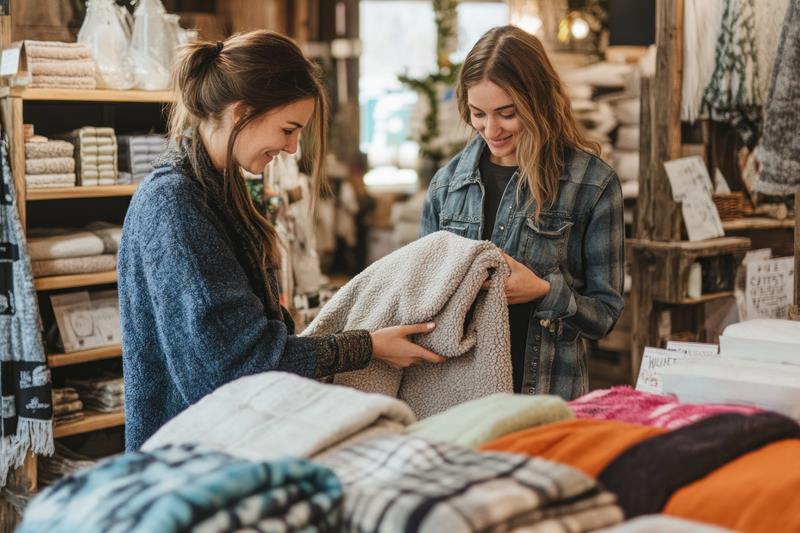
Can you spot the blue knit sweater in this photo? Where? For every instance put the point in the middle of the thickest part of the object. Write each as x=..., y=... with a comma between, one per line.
x=191, y=320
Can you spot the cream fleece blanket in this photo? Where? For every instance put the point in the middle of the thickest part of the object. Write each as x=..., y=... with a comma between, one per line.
x=437, y=278
x=486, y=419
x=50, y=165
x=275, y=414
x=60, y=243
x=111, y=234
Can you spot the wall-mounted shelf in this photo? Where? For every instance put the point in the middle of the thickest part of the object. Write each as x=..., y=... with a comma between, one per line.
x=93, y=95
x=757, y=223
x=84, y=356
x=92, y=421
x=75, y=280
x=69, y=193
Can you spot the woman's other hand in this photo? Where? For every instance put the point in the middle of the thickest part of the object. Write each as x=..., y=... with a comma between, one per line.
x=391, y=345
x=522, y=286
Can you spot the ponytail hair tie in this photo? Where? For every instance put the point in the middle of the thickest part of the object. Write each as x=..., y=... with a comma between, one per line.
x=220, y=44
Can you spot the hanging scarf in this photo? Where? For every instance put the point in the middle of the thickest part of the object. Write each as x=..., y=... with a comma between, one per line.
x=733, y=94
x=779, y=152
x=26, y=411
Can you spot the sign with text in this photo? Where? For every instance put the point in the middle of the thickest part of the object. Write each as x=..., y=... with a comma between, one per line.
x=769, y=289
x=692, y=187
x=655, y=359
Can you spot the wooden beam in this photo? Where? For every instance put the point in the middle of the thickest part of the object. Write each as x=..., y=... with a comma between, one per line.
x=643, y=228
x=666, y=117
x=794, y=311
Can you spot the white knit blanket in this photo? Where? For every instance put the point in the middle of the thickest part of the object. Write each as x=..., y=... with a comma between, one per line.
x=275, y=414
x=437, y=278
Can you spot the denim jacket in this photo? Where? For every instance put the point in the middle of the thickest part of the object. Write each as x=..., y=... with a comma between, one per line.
x=577, y=245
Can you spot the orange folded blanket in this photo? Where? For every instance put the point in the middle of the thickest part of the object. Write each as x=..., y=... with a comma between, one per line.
x=588, y=445
x=758, y=492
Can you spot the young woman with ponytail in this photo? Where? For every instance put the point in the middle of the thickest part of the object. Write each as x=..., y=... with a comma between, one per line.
x=532, y=183
x=198, y=294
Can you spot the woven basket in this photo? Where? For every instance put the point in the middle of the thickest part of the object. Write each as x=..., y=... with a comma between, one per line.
x=730, y=205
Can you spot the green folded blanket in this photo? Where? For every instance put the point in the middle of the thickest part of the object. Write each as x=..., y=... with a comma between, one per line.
x=479, y=421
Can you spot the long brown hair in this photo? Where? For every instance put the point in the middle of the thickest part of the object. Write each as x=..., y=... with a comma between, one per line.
x=516, y=61
x=264, y=71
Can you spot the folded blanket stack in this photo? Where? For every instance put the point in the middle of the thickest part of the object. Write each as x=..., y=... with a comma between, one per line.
x=186, y=488
x=55, y=64
x=49, y=163
x=62, y=251
x=95, y=155
x=67, y=406
x=62, y=463
x=136, y=154
x=402, y=483
x=105, y=393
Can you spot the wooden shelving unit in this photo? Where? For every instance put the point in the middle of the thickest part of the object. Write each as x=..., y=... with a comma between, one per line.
x=67, y=193
x=92, y=95
x=756, y=223
x=84, y=356
x=93, y=421
x=51, y=283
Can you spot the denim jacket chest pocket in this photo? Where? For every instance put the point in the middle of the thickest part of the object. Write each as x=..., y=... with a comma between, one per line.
x=544, y=242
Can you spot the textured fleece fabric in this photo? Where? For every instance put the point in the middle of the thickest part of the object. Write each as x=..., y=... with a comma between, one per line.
x=437, y=278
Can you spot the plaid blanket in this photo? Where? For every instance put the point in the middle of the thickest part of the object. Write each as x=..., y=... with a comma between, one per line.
x=183, y=488
x=408, y=484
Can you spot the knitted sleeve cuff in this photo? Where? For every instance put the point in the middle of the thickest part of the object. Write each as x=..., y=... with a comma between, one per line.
x=343, y=352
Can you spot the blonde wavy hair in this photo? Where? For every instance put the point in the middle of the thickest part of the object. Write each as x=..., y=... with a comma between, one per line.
x=517, y=62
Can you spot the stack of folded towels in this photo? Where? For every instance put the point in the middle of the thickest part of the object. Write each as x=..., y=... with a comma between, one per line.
x=95, y=155
x=67, y=405
x=62, y=463
x=136, y=154
x=103, y=393
x=49, y=163
x=55, y=64
x=62, y=251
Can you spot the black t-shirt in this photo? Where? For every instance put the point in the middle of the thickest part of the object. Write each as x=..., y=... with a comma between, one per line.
x=495, y=178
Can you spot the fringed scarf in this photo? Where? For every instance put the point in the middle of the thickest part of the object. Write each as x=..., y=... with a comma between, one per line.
x=26, y=412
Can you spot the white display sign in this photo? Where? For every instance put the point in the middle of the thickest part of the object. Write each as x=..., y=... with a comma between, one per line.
x=75, y=318
x=769, y=287
x=105, y=305
x=656, y=359
x=692, y=187
x=693, y=348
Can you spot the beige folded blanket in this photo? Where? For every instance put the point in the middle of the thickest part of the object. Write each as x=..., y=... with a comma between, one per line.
x=64, y=395
x=37, y=50
x=50, y=165
x=93, y=159
x=61, y=243
x=106, y=181
x=63, y=68
x=67, y=408
x=98, y=140
x=74, y=265
x=64, y=82
x=96, y=131
x=40, y=150
x=49, y=181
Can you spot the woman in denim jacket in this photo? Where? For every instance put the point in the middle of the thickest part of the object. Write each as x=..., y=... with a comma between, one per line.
x=540, y=194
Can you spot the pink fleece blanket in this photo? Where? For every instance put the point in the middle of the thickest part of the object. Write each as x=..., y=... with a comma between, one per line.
x=628, y=405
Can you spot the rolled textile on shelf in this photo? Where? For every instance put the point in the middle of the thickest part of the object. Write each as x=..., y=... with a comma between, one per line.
x=47, y=149
x=63, y=82
x=50, y=165
x=74, y=265
x=63, y=68
x=56, y=50
x=61, y=243
x=49, y=181
x=67, y=408
x=64, y=395
x=111, y=234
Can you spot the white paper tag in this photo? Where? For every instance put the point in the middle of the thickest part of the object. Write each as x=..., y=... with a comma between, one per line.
x=653, y=360
x=9, y=62
x=770, y=286
x=692, y=187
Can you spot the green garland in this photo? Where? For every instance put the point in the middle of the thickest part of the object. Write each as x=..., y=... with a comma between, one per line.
x=427, y=87
x=445, y=18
